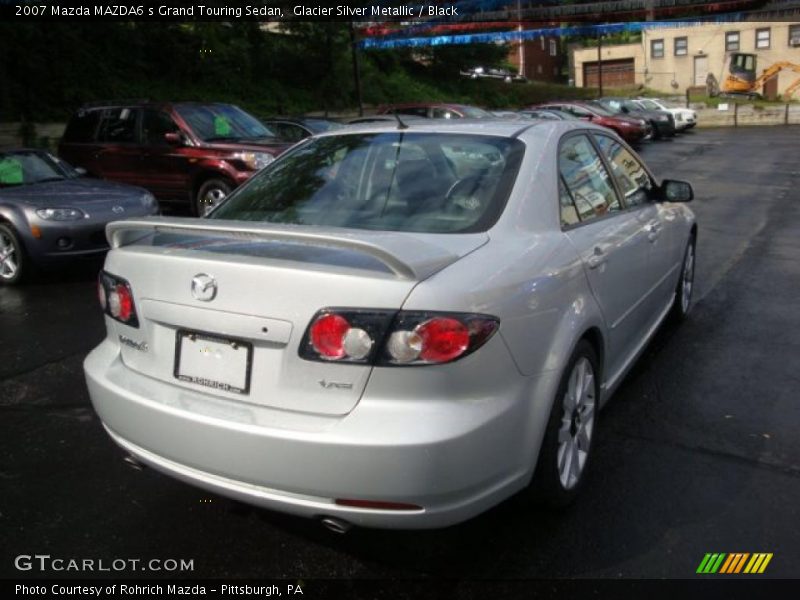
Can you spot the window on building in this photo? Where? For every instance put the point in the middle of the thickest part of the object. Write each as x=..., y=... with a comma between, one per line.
x=553, y=48
x=681, y=46
x=794, y=35
x=762, y=38
x=657, y=49
x=731, y=41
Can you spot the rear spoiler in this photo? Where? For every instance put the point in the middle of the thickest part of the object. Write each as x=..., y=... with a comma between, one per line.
x=406, y=256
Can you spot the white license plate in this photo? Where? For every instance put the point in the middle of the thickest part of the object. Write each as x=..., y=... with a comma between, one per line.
x=214, y=362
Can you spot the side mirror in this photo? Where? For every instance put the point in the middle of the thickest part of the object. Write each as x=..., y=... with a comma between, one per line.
x=676, y=191
x=80, y=171
x=625, y=109
x=173, y=138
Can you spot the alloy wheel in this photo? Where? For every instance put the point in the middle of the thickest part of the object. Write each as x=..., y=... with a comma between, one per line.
x=688, y=279
x=9, y=257
x=212, y=197
x=577, y=423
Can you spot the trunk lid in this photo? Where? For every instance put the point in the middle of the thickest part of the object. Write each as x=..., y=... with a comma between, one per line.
x=270, y=282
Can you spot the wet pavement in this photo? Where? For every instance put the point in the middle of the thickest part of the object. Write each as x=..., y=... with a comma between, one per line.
x=698, y=451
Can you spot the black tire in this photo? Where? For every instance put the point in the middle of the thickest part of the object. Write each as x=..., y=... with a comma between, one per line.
x=656, y=130
x=12, y=256
x=209, y=194
x=683, y=301
x=547, y=486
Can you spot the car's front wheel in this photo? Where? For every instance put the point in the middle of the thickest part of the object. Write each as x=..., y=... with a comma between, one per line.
x=13, y=264
x=568, y=440
x=210, y=194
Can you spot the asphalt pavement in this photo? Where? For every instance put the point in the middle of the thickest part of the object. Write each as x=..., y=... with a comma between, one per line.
x=698, y=451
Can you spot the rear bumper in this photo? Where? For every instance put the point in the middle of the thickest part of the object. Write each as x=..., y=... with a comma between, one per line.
x=452, y=458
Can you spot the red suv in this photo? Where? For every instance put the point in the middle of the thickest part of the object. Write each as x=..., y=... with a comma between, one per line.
x=630, y=129
x=185, y=152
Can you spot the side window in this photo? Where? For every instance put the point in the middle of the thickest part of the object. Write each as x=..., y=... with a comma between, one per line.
x=155, y=124
x=82, y=127
x=569, y=212
x=631, y=176
x=444, y=113
x=417, y=111
x=586, y=179
x=118, y=125
x=288, y=131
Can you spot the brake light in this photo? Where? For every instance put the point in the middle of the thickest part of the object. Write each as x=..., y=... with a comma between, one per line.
x=443, y=339
x=327, y=335
x=394, y=338
x=116, y=299
x=123, y=308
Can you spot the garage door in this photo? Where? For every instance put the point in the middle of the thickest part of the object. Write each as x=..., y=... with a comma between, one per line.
x=616, y=73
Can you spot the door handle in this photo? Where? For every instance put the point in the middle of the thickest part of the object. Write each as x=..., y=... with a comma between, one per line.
x=653, y=231
x=598, y=258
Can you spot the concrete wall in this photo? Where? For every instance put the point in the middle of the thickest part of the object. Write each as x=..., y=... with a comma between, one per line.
x=706, y=43
x=746, y=114
x=10, y=135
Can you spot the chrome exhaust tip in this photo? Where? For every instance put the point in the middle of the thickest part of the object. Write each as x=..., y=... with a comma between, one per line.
x=132, y=462
x=336, y=525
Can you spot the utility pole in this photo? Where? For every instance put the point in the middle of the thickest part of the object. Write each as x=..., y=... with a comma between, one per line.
x=600, y=64
x=521, y=42
x=356, y=71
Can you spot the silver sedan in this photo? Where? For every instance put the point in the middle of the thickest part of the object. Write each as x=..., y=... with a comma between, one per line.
x=394, y=325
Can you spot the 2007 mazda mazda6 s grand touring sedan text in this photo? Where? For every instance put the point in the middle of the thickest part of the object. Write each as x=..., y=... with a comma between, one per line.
x=393, y=326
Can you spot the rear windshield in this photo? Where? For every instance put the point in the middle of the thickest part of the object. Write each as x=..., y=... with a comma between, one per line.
x=397, y=181
x=599, y=109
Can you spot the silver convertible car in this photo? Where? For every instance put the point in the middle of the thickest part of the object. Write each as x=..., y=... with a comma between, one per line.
x=394, y=326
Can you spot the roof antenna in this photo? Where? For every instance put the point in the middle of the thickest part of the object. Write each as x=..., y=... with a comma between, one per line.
x=400, y=124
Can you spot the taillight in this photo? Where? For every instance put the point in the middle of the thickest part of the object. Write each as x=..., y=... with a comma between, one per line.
x=116, y=299
x=101, y=293
x=393, y=338
x=327, y=335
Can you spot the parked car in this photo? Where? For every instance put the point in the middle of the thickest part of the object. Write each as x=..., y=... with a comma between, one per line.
x=551, y=114
x=293, y=129
x=685, y=118
x=631, y=129
x=493, y=73
x=188, y=152
x=661, y=121
x=394, y=327
x=389, y=118
x=50, y=214
x=436, y=110
x=506, y=114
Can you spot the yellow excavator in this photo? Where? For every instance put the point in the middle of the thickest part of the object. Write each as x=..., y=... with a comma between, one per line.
x=741, y=80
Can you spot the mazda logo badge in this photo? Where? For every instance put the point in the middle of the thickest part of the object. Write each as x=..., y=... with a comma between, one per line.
x=204, y=287
x=117, y=209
